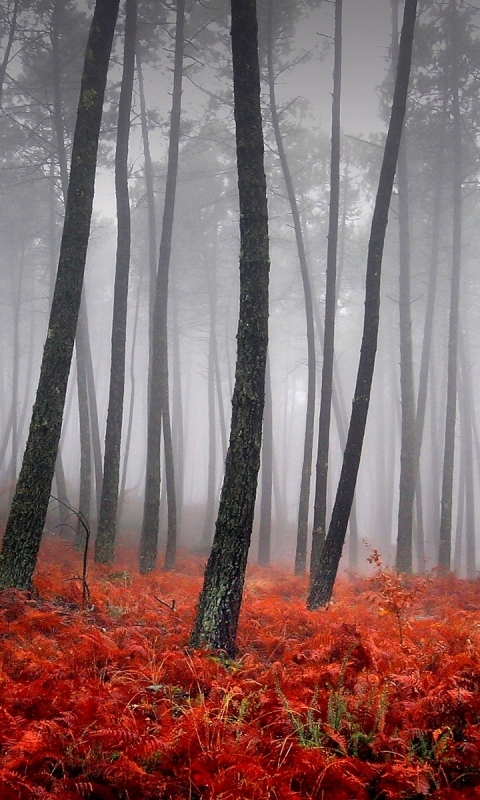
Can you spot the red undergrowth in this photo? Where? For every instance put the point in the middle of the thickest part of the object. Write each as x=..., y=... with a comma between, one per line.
x=377, y=697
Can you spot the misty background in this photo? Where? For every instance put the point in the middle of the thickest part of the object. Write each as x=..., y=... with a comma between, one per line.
x=203, y=289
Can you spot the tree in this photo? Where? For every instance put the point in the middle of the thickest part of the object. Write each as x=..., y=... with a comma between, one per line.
x=322, y=582
x=407, y=451
x=305, y=480
x=105, y=541
x=158, y=400
x=444, y=554
x=29, y=506
x=320, y=505
x=219, y=604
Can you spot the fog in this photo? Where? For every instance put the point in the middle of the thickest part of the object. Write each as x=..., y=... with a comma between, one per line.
x=203, y=282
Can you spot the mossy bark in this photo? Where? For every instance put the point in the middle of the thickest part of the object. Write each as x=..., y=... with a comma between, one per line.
x=323, y=579
x=218, y=610
x=29, y=506
x=107, y=523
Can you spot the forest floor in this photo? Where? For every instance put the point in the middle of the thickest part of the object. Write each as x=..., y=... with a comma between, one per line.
x=376, y=697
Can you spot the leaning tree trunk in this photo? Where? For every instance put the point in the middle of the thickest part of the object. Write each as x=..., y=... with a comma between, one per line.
x=158, y=401
x=30, y=503
x=107, y=523
x=218, y=610
x=445, y=539
x=322, y=582
x=305, y=480
x=82, y=342
x=320, y=503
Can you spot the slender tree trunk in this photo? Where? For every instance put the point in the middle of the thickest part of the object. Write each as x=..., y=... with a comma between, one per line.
x=219, y=604
x=30, y=503
x=467, y=437
x=178, y=423
x=158, y=402
x=85, y=445
x=128, y=437
x=444, y=551
x=404, y=555
x=8, y=47
x=82, y=342
x=107, y=523
x=265, y=531
x=428, y=330
x=321, y=586
x=305, y=481
x=212, y=491
x=150, y=195
x=320, y=505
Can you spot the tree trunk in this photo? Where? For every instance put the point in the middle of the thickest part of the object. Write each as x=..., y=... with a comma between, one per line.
x=324, y=578
x=407, y=449
x=265, y=531
x=219, y=604
x=467, y=437
x=444, y=550
x=158, y=402
x=320, y=505
x=107, y=523
x=29, y=507
x=8, y=47
x=305, y=481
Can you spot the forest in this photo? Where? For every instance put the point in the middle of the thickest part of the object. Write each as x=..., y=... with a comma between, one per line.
x=270, y=591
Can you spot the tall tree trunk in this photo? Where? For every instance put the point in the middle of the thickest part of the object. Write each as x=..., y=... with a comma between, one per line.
x=428, y=328
x=158, y=401
x=85, y=445
x=322, y=582
x=265, y=531
x=212, y=491
x=305, y=481
x=29, y=507
x=219, y=604
x=320, y=505
x=444, y=550
x=150, y=195
x=466, y=414
x=128, y=436
x=407, y=449
x=8, y=47
x=82, y=342
x=107, y=523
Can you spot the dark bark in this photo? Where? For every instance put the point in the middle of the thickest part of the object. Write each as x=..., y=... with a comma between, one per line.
x=445, y=537
x=407, y=448
x=107, y=523
x=82, y=342
x=265, y=530
x=324, y=578
x=320, y=503
x=85, y=444
x=29, y=507
x=158, y=401
x=218, y=610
